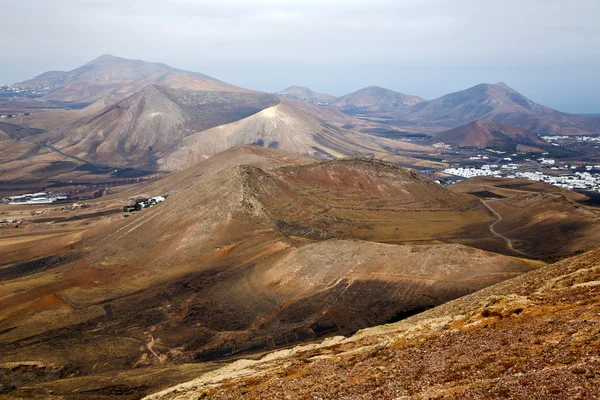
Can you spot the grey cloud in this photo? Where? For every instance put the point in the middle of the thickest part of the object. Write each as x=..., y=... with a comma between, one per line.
x=333, y=45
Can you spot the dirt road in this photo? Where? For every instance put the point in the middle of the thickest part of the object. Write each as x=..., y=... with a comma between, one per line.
x=508, y=242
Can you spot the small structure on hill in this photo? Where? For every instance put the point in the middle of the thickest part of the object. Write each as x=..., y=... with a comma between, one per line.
x=144, y=203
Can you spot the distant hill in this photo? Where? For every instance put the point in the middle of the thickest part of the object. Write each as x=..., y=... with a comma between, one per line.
x=172, y=129
x=488, y=134
x=285, y=127
x=306, y=94
x=152, y=123
x=376, y=99
x=120, y=77
x=498, y=103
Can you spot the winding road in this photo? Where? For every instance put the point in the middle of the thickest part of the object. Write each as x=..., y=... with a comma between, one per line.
x=508, y=242
x=59, y=151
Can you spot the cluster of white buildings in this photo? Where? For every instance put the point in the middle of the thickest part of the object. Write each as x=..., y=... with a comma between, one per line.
x=442, y=145
x=10, y=93
x=573, y=138
x=144, y=203
x=14, y=115
x=24, y=90
x=479, y=157
x=34, y=198
x=468, y=172
x=486, y=170
x=578, y=181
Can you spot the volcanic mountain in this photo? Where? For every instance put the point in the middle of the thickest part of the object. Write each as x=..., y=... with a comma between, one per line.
x=119, y=77
x=286, y=127
x=498, y=103
x=239, y=258
x=306, y=94
x=488, y=134
x=172, y=129
x=374, y=99
x=152, y=123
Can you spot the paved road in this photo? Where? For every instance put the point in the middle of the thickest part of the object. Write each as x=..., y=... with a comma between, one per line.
x=508, y=242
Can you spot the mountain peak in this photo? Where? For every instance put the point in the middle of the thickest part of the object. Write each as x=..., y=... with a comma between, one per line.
x=375, y=87
x=501, y=86
x=104, y=59
x=296, y=87
x=306, y=94
x=375, y=99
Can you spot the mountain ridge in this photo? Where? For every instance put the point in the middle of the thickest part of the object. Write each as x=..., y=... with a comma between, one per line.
x=112, y=75
x=498, y=103
x=284, y=127
x=153, y=122
x=375, y=99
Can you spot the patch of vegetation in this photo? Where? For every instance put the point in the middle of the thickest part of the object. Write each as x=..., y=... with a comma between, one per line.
x=561, y=152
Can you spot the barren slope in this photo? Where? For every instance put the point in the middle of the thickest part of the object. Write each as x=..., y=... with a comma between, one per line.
x=546, y=225
x=151, y=123
x=285, y=127
x=376, y=99
x=487, y=186
x=540, y=219
x=498, y=103
x=241, y=259
x=488, y=134
x=534, y=336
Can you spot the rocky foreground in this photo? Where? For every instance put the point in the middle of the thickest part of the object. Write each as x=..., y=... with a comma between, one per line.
x=536, y=337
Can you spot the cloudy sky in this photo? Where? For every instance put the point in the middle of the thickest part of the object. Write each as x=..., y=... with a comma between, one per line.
x=547, y=49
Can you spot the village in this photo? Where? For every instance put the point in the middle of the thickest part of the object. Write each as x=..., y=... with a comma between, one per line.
x=10, y=91
x=564, y=138
x=35, y=198
x=584, y=177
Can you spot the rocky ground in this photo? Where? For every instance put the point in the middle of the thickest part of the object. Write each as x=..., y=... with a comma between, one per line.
x=536, y=337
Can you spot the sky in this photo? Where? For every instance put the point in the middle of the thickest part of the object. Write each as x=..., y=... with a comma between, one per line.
x=549, y=50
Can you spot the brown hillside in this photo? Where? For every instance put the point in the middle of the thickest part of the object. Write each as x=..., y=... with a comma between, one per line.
x=288, y=128
x=502, y=187
x=152, y=123
x=110, y=75
x=546, y=225
x=375, y=99
x=239, y=259
x=488, y=134
x=539, y=219
x=498, y=103
x=534, y=336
